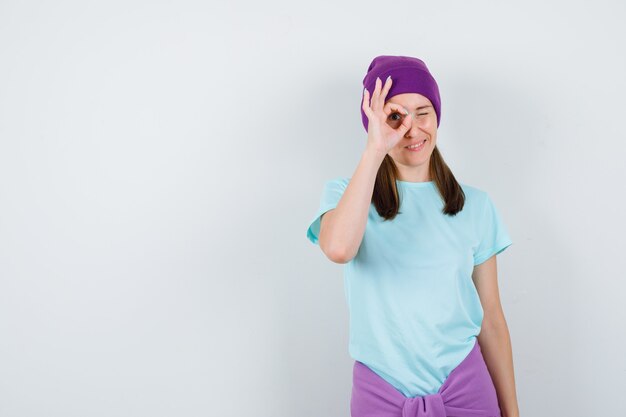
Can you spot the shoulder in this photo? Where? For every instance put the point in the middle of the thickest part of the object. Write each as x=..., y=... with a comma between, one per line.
x=337, y=182
x=475, y=197
x=473, y=192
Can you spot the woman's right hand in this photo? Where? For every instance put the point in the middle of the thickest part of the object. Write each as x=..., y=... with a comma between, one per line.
x=383, y=134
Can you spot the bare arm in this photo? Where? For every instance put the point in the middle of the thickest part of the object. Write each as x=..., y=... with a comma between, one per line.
x=342, y=228
x=494, y=338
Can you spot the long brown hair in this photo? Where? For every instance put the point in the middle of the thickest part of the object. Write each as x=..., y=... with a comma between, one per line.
x=386, y=198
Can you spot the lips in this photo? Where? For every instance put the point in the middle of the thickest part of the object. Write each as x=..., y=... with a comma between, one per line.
x=416, y=144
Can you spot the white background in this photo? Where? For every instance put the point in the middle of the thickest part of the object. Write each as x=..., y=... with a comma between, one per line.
x=160, y=161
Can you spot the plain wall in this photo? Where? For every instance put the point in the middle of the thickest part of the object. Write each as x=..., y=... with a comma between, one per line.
x=160, y=162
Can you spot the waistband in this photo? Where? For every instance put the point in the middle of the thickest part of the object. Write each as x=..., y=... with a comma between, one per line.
x=468, y=391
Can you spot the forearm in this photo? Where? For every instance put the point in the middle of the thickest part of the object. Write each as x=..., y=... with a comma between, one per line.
x=495, y=344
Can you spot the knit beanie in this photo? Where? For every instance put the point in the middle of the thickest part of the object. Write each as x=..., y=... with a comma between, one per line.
x=408, y=75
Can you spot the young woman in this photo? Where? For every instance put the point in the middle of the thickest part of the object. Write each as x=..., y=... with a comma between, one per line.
x=427, y=331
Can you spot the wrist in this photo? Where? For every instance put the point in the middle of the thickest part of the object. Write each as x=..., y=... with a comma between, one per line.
x=374, y=154
x=510, y=414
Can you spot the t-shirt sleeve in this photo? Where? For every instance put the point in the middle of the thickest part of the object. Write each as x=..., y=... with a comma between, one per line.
x=492, y=232
x=331, y=194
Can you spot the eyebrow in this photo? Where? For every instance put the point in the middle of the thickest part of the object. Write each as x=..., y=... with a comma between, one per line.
x=421, y=107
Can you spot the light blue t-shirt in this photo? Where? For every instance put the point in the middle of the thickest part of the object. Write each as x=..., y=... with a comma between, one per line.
x=414, y=309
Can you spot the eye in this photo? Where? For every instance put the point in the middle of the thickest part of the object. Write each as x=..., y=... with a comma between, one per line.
x=401, y=116
x=391, y=116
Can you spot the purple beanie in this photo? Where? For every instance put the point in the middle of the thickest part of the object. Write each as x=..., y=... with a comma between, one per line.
x=408, y=75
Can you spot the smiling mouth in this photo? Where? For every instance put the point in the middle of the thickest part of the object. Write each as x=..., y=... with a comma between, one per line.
x=416, y=147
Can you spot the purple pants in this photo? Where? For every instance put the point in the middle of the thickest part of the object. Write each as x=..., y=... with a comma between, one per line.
x=467, y=392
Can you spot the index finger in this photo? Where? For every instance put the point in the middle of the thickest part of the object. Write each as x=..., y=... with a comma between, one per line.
x=393, y=106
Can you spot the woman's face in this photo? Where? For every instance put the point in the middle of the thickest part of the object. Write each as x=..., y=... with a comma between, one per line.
x=423, y=127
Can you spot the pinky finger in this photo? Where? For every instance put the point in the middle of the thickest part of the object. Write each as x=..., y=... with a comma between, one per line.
x=366, y=102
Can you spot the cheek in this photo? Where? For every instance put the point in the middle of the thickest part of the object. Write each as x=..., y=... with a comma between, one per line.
x=430, y=123
x=395, y=153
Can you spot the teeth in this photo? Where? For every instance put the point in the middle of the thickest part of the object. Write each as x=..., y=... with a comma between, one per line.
x=416, y=146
